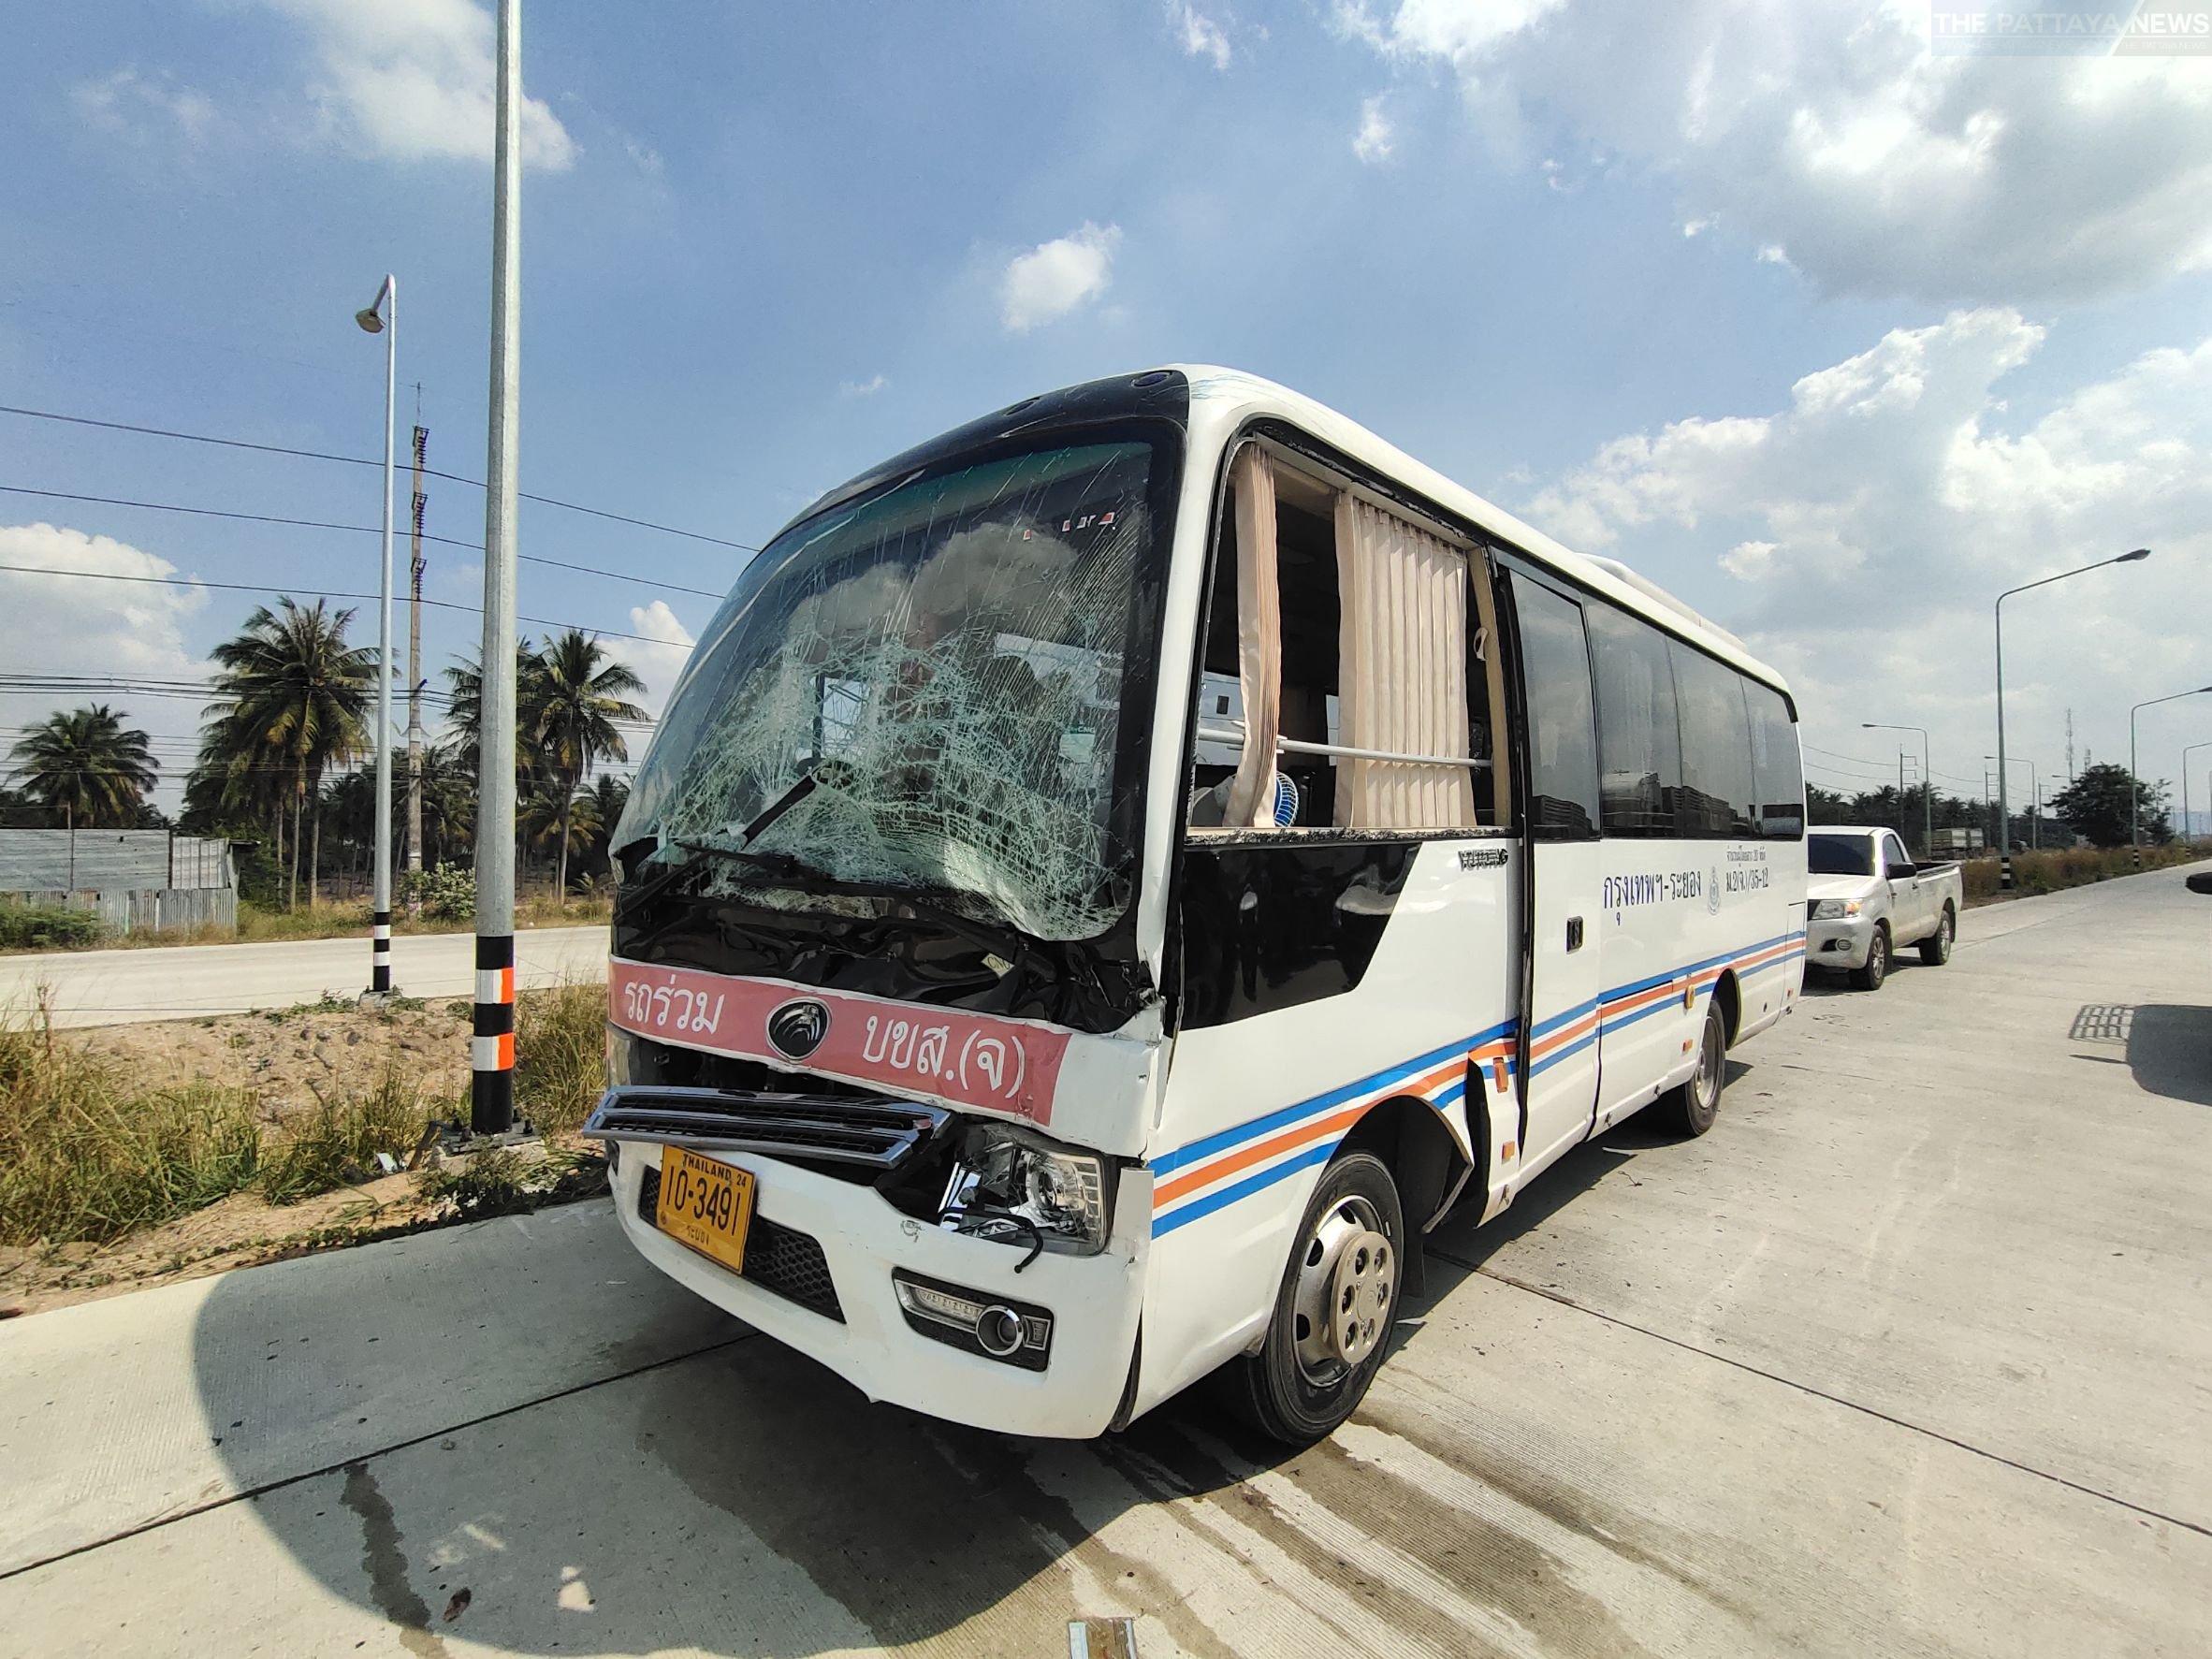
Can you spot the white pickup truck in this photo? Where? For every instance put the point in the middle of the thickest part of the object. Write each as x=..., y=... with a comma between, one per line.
x=1867, y=900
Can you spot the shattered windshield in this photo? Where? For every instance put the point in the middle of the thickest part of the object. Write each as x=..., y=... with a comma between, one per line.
x=942, y=665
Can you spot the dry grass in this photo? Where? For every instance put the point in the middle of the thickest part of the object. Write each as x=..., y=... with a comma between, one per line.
x=2057, y=870
x=90, y=1150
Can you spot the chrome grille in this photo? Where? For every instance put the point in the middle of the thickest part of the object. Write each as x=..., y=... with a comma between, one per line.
x=875, y=1134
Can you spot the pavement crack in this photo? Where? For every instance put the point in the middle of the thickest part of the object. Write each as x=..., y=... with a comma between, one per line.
x=1818, y=1393
x=246, y=1495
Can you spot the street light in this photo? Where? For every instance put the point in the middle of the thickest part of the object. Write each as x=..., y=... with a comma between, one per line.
x=1926, y=784
x=2185, y=754
x=2134, y=831
x=2004, y=833
x=382, y=316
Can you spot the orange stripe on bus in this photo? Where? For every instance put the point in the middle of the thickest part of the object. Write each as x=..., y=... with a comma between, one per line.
x=1257, y=1153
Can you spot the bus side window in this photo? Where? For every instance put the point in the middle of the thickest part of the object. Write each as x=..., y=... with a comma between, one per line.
x=1716, y=748
x=1639, y=739
x=1562, y=734
x=1778, y=777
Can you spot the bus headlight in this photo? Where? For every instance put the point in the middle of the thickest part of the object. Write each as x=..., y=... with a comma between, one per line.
x=1835, y=909
x=1017, y=1186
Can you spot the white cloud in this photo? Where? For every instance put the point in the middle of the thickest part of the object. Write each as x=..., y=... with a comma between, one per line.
x=658, y=664
x=144, y=107
x=412, y=81
x=863, y=388
x=81, y=625
x=1054, y=278
x=1870, y=523
x=1825, y=131
x=1378, y=135
x=1199, y=34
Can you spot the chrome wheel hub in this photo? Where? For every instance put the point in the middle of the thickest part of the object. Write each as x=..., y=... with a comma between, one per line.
x=1346, y=1280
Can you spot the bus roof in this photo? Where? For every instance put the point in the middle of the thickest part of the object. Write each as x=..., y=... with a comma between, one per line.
x=1238, y=396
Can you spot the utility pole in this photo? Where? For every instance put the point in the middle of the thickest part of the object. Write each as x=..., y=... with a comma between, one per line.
x=382, y=316
x=2071, y=773
x=492, y=1081
x=414, y=570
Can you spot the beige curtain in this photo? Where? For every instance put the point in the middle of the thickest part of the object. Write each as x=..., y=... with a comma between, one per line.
x=1259, y=658
x=1401, y=672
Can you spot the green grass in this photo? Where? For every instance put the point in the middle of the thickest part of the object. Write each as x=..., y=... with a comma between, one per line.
x=262, y=923
x=561, y=1054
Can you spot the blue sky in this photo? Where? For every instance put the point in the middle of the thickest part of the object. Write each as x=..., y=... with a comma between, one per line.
x=1831, y=337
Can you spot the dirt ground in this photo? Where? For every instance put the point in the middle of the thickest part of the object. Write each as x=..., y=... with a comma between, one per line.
x=295, y=1057
x=292, y=1060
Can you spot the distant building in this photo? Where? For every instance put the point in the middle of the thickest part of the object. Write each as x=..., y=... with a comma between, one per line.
x=135, y=880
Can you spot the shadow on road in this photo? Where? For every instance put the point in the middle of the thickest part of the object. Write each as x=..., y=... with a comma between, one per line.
x=741, y=1499
x=2169, y=1051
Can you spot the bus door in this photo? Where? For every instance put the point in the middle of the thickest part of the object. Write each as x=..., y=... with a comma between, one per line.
x=1559, y=1069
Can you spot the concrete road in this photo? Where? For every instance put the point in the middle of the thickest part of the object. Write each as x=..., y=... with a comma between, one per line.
x=1909, y=1356
x=177, y=981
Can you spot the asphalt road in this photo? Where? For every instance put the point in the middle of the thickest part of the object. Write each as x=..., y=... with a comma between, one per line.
x=176, y=981
x=1909, y=1356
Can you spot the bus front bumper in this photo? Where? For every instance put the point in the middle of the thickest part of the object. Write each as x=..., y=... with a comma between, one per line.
x=859, y=1328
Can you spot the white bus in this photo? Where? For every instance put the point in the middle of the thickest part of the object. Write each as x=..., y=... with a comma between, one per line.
x=1112, y=878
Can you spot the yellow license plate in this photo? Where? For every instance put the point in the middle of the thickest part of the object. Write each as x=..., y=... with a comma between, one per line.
x=705, y=1204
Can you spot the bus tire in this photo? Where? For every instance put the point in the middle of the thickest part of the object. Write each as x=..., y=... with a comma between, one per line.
x=1690, y=1107
x=1935, y=950
x=1870, y=978
x=1339, y=1296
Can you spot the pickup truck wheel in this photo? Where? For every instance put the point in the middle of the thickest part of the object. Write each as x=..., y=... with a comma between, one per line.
x=1935, y=950
x=1870, y=978
x=1335, y=1310
x=1690, y=1107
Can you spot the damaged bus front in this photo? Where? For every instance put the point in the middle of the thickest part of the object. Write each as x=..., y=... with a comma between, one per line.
x=884, y=1048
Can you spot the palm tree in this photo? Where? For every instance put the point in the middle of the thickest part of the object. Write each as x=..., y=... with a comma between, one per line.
x=575, y=698
x=292, y=693
x=83, y=764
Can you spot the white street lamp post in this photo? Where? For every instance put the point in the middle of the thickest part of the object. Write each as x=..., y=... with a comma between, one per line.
x=2004, y=833
x=382, y=316
x=2135, y=828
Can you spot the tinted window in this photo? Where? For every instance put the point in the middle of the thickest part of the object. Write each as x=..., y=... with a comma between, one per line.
x=1639, y=744
x=1775, y=771
x=1717, y=789
x=1839, y=855
x=1562, y=740
x=1894, y=856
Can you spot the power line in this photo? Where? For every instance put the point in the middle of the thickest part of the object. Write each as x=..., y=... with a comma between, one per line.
x=357, y=460
x=444, y=604
x=371, y=529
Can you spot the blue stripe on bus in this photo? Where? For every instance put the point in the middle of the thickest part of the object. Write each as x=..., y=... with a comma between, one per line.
x=1317, y=1154
x=1223, y=1140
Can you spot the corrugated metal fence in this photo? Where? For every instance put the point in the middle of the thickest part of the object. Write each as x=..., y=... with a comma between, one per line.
x=132, y=879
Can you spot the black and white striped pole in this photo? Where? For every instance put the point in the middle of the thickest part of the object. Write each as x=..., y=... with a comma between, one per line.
x=491, y=1049
x=382, y=316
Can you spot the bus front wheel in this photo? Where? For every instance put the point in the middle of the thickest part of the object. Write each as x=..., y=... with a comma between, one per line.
x=1335, y=1310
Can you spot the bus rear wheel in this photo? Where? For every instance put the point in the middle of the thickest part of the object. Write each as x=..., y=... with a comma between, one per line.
x=1335, y=1310
x=1690, y=1107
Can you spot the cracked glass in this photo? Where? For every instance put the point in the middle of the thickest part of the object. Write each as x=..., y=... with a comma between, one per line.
x=934, y=677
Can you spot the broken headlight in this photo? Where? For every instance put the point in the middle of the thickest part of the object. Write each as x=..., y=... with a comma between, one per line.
x=1016, y=1187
